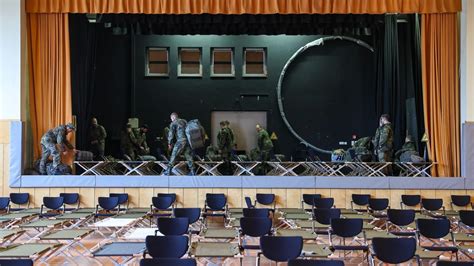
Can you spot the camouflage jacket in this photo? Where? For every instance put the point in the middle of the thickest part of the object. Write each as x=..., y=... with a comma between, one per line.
x=177, y=131
x=97, y=133
x=140, y=138
x=263, y=141
x=127, y=140
x=383, y=140
x=57, y=135
x=224, y=139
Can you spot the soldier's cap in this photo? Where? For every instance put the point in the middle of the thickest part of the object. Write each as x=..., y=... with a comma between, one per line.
x=129, y=125
x=222, y=123
x=145, y=126
x=70, y=126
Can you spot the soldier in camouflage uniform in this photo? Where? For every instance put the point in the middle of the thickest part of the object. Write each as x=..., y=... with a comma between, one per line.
x=128, y=142
x=141, y=144
x=49, y=141
x=232, y=136
x=264, y=144
x=383, y=141
x=97, y=135
x=178, y=143
x=224, y=141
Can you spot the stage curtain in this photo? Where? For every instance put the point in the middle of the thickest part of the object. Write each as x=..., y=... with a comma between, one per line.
x=243, y=6
x=440, y=67
x=49, y=73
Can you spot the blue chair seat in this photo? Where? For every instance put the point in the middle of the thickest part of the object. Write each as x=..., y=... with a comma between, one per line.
x=337, y=247
x=403, y=233
x=436, y=248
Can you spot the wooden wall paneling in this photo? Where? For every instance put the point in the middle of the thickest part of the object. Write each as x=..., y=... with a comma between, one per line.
x=339, y=196
x=38, y=195
x=190, y=197
x=396, y=198
x=280, y=197
x=133, y=197
x=179, y=196
x=87, y=197
x=234, y=197
x=145, y=195
x=293, y=198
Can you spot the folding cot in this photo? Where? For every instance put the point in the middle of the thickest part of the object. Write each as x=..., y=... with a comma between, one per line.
x=29, y=250
x=68, y=238
x=119, y=253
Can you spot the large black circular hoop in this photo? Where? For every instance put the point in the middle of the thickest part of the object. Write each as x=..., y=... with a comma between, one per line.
x=317, y=42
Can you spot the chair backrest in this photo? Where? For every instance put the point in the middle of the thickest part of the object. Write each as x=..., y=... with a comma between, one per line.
x=166, y=246
x=216, y=202
x=108, y=203
x=53, y=203
x=173, y=226
x=324, y=216
x=172, y=195
x=411, y=200
x=248, y=202
x=401, y=217
x=309, y=198
x=433, y=228
x=467, y=217
x=432, y=204
x=168, y=262
x=453, y=263
x=122, y=197
x=265, y=199
x=346, y=227
x=193, y=214
x=361, y=199
x=301, y=262
x=256, y=226
x=461, y=200
x=162, y=203
x=70, y=198
x=281, y=248
x=323, y=203
x=16, y=262
x=20, y=198
x=256, y=212
x=4, y=202
x=378, y=204
x=394, y=250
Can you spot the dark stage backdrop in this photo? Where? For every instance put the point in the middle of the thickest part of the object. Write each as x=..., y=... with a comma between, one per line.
x=330, y=92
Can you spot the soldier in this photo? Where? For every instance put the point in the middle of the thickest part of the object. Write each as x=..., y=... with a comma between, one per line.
x=128, y=142
x=232, y=136
x=383, y=141
x=49, y=141
x=97, y=135
x=178, y=143
x=224, y=141
x=142, y=145
x=264, y=144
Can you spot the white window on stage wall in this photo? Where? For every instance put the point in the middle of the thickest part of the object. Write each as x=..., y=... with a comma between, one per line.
x=157, y=62
x=189, y=63
x=222, y=62
x=255, y=62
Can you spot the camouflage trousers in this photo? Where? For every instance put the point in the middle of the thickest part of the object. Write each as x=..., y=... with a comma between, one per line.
x=385, y=157
x=226, y=157
x=49, y=149
x=98, y=150
x=179, y=148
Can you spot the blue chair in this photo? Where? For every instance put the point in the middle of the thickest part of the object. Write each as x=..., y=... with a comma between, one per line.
x=324, y=216
x=20, y=199
x=260, y=212
x=399, y=219
x=5, y=204
x=430, y=206
x=71, y=199
x=159, y=205
x=266, y=199
x=454, y=263
x=377, y=207
x=215, y=203
x=193, y=215
x=301, y=262
x=460, y=201
x=166, y=246
x=280, y=248
x=55, y=204
x=122, y=199
x=434, y=229
x=348, y=228
x=254, y=227
x=467, y=218
x=394, y=250
x=324, y=203
x=16, y=262
x=410, y=201
x=108, y=205
x=167, y=262
x=248, y=202
x=360, y=200
x=309, y=199
x=172, y=195
x=172, y=226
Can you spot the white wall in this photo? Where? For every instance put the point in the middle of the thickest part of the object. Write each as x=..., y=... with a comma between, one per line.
x=12, y=58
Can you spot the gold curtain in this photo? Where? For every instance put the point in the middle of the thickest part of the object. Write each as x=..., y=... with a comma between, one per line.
x=49, y=73
x=440, y=70
x=243, y=6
